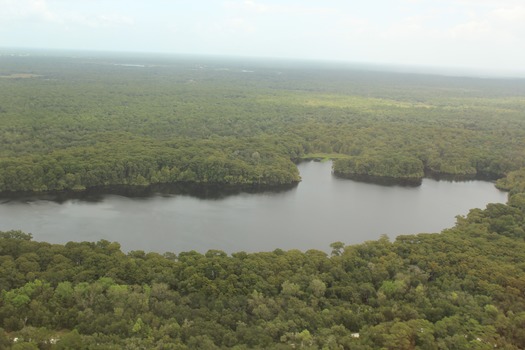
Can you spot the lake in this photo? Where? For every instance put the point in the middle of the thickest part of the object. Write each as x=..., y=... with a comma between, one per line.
x=322, y=209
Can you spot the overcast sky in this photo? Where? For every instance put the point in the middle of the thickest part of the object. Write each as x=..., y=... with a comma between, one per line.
x=450, y=33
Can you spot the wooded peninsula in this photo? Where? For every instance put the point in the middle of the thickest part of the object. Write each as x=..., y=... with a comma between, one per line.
x=71, y=122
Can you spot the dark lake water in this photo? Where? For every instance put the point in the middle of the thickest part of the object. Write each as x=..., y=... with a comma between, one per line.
x=322, y=209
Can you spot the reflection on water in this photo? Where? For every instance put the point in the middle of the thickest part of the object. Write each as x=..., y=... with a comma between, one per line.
x=382, y=181
x=320, y=210
x=99, y=194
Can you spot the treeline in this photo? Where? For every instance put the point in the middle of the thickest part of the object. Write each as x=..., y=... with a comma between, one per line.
x=123, y=159
x=396, y=166
x=459, y=289
x=73, y=123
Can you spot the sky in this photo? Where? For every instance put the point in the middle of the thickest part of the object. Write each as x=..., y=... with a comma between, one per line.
x=477, y=34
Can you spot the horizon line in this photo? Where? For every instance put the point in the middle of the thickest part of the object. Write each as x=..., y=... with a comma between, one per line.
x=390, y=67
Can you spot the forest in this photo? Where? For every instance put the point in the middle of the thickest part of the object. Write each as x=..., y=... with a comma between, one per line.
x=71, y=123
x=76, y=121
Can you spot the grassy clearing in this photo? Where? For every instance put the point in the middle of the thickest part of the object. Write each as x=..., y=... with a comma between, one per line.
x=324, y=157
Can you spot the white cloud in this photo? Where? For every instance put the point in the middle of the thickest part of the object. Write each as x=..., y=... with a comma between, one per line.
x=425, y=31
x=240, y=25
x=511, y=21
x=43, y=11
x=254, y=6
x=473, y=30
x=512, y=14
x=100, y=21
x=356, y=26
x=290, y=9
x=500, y=24
x=14, y=10
x=229, y=27
x=410, y=26
x=468, y=21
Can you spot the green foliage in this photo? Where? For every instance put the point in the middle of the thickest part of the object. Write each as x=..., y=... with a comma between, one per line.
x=16, y=235
x=461, y=288
x=388, y=165
x=70, y=341
x=71, y=125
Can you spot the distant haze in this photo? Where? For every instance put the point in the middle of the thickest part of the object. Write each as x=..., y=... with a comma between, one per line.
x=474, y=35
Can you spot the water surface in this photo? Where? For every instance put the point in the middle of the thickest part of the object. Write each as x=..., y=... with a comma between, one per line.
x=322, y=209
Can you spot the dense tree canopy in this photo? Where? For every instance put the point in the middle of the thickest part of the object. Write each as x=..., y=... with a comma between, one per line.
x=69, y=123
x=79, y=122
